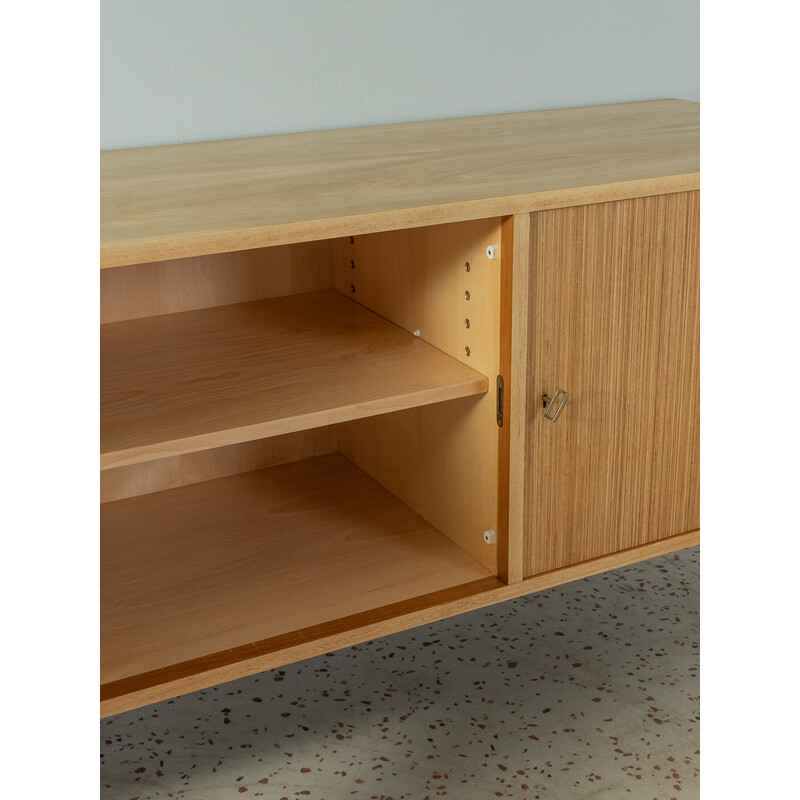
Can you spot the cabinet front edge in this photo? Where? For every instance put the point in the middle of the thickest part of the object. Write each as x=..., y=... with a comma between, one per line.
x=123, y=253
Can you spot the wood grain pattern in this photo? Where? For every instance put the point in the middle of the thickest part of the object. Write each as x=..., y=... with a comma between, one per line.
x=615, y=322
x=194, y=571
x=417, y=279
x=156, y=685
x=443, y=462
x=205, y=581
x=276, y=651
x=219, y=462
x=175, y=201
x=185, y=284
x=179, y=383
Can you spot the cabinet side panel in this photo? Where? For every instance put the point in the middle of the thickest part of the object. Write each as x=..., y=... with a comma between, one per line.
x=185, y=284
x=614, y=322
x=441, y=460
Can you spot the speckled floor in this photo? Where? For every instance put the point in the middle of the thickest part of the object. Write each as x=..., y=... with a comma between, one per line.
x=585, y=691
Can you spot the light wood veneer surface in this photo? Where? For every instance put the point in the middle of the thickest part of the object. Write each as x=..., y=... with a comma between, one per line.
x=216, y=565
x=192, y=199
x=183, y=382
x=615, y=322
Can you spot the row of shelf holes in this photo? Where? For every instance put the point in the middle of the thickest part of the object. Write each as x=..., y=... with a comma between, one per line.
x=467, y=323
x=352, y=266
x=467, y=351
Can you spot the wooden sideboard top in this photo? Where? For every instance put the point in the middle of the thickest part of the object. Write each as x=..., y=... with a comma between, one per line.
x=182, y=200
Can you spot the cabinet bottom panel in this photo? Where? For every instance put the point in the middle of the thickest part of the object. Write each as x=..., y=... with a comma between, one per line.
x=221, y=571
x=220, y=667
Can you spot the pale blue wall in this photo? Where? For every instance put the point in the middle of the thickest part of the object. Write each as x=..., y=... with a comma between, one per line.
x=187, y=70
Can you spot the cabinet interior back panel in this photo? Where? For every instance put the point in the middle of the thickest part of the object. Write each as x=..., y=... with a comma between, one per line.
x=614, y=310
x=186, y=284
x=218, y=462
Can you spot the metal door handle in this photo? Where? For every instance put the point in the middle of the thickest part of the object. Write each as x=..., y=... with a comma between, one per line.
x=548, y=403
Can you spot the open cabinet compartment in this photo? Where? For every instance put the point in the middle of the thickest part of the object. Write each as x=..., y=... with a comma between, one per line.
x=298, y=443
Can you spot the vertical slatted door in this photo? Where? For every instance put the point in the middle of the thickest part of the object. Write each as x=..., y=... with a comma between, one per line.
x=614, y=321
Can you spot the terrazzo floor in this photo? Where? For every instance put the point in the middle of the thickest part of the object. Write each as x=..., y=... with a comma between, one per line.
x=586, y=691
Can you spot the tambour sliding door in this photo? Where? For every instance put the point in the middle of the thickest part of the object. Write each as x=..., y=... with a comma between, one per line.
x=614, y=323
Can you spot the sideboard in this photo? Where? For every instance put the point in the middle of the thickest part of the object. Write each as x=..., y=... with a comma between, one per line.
x=355, y=381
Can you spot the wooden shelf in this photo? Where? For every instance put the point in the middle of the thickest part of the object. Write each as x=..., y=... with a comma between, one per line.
x=220, y=565
x=184, y=382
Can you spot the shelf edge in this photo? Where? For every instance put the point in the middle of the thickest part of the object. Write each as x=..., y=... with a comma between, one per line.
x=263, y=430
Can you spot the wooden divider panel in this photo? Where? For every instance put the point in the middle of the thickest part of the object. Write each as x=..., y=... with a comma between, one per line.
x=442, y=462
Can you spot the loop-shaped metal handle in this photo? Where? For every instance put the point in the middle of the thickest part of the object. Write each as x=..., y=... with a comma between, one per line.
x=548, y=403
